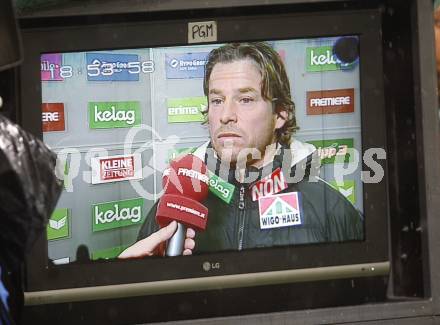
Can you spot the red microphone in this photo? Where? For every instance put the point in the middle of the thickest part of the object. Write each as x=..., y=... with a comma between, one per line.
x=186, y=184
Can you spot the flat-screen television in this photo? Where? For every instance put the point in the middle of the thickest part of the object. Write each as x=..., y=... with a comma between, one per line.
x=119, y=101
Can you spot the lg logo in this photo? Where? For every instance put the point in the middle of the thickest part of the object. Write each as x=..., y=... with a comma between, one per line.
x=208, y=266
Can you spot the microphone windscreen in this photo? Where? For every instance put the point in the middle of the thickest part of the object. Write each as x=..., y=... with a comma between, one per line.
x=184, y=210
x=187, y=176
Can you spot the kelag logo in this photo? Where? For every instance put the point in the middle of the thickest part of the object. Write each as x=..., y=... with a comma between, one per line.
x=347, y=189
x=116, y=168
x=108, y=115
x=185, y=66
x=58, y=226
x=329, y=149
x=330, y=101
x=184, y=110
x=112, y=67
x=52, y=116
x=117, y=214
x=322, y=59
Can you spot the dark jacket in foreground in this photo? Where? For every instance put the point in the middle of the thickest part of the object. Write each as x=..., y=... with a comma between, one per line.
x=326, y=215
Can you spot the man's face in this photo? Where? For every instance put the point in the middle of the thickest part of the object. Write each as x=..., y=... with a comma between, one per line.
x=239, y=117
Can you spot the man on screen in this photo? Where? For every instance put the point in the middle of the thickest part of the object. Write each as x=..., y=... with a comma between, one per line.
x=251, y=120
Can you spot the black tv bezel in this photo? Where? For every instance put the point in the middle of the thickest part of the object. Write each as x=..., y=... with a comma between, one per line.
x=364, y=23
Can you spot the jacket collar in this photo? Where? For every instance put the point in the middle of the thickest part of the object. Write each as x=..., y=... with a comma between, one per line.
x=298, y=151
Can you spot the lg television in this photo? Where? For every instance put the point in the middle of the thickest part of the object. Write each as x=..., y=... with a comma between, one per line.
x=133, y=90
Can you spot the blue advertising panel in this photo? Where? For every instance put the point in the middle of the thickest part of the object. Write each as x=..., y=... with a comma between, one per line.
x=185, y=66
x=112, y=67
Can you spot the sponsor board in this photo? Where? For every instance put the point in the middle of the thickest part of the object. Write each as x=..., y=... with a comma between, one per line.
x=322, y=59
x=116, y=168
x=329, y=149
x=271, y=184
x=179, y=152
x=220, y=188
x=347, y=189
x=330, y=101
x=52, y=117
x=185, y=66
x=108, y=253
x=112, y=67
x=117, y=214
x=109, y=115
x=186, y=110
x=51, y=67
x=59, y=224
x=280, y=210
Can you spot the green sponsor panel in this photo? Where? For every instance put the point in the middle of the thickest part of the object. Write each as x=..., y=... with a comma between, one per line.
x=220, y=188
x=117, y=214
x=186, y=110
x=328, y=150
x=321, y=59
x=178, y=152
x=109, y=115
x=59, y=224
x=347, y=188
x=108, y=253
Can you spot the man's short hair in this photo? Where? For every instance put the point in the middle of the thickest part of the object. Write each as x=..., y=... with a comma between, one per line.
x=275, y=86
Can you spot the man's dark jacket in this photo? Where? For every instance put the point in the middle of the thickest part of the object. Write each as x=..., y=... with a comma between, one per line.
x=326, y=215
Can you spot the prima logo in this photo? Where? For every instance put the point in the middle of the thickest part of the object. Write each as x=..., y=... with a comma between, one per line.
x=117, y=214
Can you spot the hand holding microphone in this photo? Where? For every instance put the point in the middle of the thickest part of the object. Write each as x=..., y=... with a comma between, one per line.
x=186, y=184
x=179, y=212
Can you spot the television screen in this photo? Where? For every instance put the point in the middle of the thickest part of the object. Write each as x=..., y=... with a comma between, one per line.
x=267, y=145
x=117, y=118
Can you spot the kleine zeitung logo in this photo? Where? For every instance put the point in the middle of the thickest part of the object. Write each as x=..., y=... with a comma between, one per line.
x=116, y=168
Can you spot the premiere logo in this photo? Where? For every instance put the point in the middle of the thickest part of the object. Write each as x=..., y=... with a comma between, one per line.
x=116, y=168
x=280, y=210
x=330, y=101
x=117, y=214
x=52, y=116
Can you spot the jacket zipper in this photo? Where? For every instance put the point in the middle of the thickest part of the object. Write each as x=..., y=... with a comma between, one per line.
x=242, y=215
